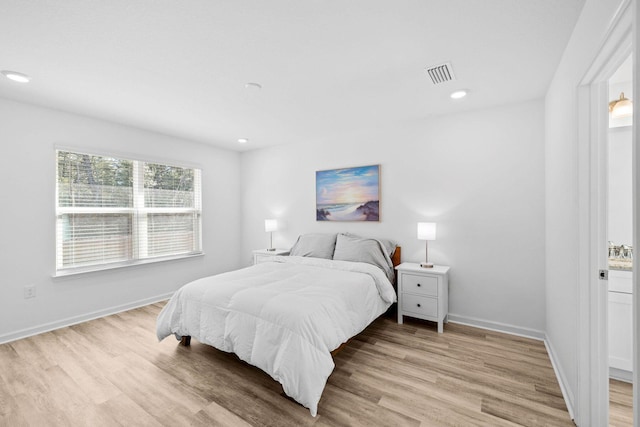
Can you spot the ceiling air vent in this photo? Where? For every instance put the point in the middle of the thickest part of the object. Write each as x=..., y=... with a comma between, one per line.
x=441, y=73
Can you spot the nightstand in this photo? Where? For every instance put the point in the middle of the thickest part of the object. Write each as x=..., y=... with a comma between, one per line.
x=263, y=255
x=423, y=293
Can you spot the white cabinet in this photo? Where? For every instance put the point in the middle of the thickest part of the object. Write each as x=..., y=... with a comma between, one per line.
x=423, y=293
x=620, y=324
x=264, y=255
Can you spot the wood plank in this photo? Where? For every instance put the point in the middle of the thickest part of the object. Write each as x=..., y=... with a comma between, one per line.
x=434, y=414
x=522, y=414
x=126, y=412
x=620, y=404
x=343, y=408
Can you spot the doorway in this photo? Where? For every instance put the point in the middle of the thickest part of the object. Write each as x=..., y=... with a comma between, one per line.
x=619, y=199
x=592, y=402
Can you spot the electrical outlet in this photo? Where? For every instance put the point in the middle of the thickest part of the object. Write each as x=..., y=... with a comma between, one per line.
x=29, y=291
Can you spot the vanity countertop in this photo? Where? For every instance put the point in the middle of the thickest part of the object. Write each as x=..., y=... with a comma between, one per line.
x=620, y=264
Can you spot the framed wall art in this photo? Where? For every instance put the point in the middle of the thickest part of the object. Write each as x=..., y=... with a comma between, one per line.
x=349, y=194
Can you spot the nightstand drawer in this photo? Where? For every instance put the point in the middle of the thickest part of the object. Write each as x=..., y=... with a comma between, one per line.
x=265, y=255
x=424, y=306
x=425, y=285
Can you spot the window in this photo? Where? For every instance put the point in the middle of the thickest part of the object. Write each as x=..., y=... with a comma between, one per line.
x=112, y=212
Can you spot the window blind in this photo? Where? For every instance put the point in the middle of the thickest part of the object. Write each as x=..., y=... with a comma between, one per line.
x=112, y=211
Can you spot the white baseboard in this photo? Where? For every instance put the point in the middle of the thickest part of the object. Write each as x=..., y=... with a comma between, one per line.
x=561, y=377
x=35, y=330
x=497, y=327
x=621, y=375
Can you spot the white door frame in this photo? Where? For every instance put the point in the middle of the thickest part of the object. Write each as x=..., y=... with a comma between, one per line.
x=592, y=405
x=636, y=220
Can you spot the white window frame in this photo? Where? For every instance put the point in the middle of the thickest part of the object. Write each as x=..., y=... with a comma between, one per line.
x=139, y=215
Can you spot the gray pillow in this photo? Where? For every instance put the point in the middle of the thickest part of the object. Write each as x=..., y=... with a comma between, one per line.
x=389, y=246
x=318, y=245
x=353, y=248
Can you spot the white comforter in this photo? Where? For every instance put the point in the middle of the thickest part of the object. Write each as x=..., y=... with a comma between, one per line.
x=284, y=317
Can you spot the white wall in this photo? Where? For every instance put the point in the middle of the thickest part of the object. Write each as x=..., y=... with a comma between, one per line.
x=562, y=190
x=479, y=175
x=620, y=193
x=619, y=218
x=27, y=245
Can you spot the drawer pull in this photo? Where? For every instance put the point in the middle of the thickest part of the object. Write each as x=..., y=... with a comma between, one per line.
x=418, y=305
x=418, y=284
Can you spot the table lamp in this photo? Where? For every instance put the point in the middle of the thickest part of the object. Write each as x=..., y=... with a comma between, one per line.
x=426, y=232
x=271, y=225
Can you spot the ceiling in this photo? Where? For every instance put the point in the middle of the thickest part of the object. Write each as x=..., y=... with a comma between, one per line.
x=327, y=67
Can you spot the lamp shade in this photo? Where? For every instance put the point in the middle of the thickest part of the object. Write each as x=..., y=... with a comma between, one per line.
x=270, y=225
x=426, y=231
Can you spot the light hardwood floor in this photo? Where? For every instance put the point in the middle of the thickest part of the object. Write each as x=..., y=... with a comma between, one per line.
x=620, y=404
x=112, y=371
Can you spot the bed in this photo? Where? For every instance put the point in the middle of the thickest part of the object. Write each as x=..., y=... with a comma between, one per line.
x=289, y=316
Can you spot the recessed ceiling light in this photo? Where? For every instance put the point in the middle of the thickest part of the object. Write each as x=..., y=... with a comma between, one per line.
x=16, y=76
x=243, y=140
x=458, y=94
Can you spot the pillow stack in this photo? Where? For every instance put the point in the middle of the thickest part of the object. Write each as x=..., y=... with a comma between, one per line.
x=347, y=247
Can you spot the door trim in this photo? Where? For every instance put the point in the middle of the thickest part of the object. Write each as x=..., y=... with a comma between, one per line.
x=636, y=220
x=592, y=404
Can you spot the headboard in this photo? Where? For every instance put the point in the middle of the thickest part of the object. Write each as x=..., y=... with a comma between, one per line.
x=396, y=258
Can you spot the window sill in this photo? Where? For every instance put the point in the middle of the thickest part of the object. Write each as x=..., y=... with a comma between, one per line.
x=121, y=265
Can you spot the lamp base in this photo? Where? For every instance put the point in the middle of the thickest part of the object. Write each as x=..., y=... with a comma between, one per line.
x=426, y=265
x=271, y=249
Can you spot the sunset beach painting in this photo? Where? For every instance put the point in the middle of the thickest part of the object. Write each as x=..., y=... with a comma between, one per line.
x=350, y=194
